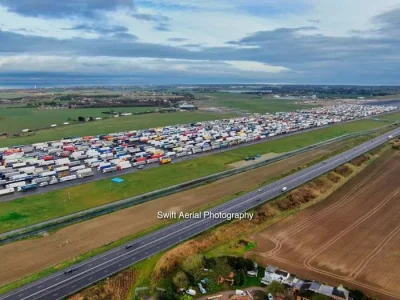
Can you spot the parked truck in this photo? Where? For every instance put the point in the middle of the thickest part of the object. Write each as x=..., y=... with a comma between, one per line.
x=85, y=173
x=109, y=169
x=61, y=169
x=48, y=173
x=27, y=187
x=6, y=191
x=164, y=161
x=67, y=178
x=15, y=184
x=41, y=179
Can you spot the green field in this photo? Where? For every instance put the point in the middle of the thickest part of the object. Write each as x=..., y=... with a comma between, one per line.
x=250, y=103
x=37, y=208
x=16, y=119
x=390, y=117
x=103, y=126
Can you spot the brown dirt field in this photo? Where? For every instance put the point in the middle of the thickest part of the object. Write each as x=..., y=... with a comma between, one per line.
x=352, y=237
x=25, y=257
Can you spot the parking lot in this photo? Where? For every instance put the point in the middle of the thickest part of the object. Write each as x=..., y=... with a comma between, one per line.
x=55, y=164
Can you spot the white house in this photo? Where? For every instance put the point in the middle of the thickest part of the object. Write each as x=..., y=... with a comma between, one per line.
x=274, y=274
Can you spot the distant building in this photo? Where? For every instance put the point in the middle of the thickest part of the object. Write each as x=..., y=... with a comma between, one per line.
x=187, y=107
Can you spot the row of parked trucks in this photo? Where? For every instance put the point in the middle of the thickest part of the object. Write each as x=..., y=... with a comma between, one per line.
x=27, y=167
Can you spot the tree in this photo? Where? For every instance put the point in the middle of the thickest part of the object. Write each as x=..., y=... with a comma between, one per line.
x=180, y=280
x=81, y=119
x=194, y=266
x=186, y=297
x=240, y=277
x=275, y=287
x=221, y=267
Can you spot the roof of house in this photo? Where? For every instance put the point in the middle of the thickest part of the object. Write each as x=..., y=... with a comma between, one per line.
x=271, y=269
x=281, y=272
x=340, y=292
x=315, y=286
x=325, y=289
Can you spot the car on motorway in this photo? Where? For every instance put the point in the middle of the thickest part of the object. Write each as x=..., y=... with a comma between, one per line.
x=284, y=189
x=69, y=271
x=128, y=246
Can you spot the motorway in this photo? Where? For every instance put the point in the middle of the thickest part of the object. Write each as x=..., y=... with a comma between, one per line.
x=99, y=175
x=60, y=285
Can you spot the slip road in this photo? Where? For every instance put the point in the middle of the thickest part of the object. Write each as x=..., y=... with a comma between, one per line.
x=60, y=285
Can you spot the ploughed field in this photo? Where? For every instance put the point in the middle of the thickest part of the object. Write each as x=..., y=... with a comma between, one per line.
x=25, y=257
x=352, y=237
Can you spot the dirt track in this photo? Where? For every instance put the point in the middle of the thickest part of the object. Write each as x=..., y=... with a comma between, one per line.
x=352, y=237
x=26, y=257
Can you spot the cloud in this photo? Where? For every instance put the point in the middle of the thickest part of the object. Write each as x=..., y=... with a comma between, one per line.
x=252, y=66
x=191, y=45
x=161, y=22
x=162, y=27
x=150, y=17
x=145, y=68
x=302, y=54
x=99, y=29
x=389, y=22
x=314, y=21
x=176, y=39
x=60, y=8
x=262, y=37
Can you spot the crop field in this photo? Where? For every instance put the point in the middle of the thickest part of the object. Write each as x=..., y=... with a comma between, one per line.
x=14, y=120
x=37, y=208
x=250, y=103
x=101, y=127
x=66, y=244
x=351, y=238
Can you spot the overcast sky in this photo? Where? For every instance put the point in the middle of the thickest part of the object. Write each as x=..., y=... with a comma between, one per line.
x=207, y=41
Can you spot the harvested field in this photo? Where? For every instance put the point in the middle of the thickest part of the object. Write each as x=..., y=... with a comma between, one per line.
x=26, y=257
x=352, y=237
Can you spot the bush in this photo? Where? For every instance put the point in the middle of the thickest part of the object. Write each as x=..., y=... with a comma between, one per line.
x=180, y=280
x=194, y=266
x=275, y=287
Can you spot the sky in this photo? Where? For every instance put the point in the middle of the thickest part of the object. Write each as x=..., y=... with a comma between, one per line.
x=208, y=41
